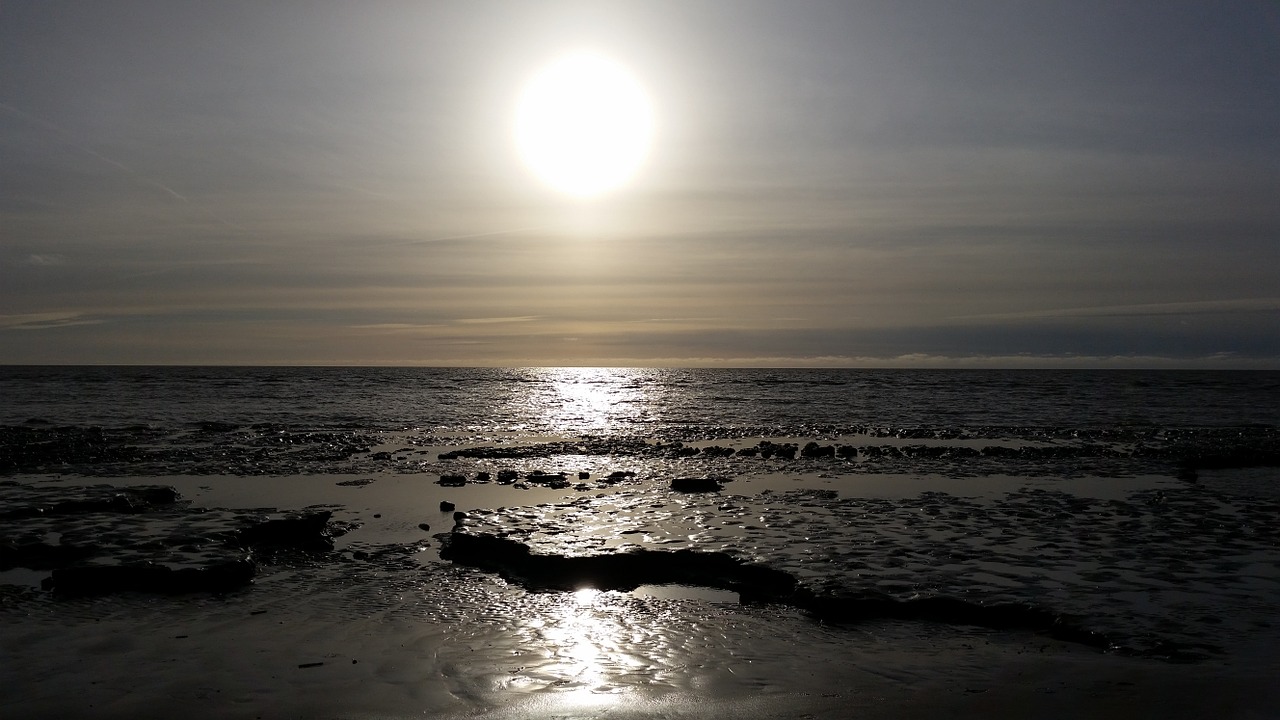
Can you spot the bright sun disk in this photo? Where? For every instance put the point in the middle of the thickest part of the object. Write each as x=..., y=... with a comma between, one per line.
x=584, y=125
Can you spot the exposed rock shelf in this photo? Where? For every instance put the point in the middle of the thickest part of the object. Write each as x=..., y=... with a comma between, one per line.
x=625, y=571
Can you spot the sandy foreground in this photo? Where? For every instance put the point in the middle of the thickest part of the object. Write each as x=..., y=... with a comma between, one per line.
x=327, y=641
x=206, y=660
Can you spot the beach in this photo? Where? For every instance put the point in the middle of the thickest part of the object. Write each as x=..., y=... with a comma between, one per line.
x=855, y=571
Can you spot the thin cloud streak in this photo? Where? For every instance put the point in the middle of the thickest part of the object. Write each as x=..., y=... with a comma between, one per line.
x=1204, y=307
x=66, y=137
x=46, y=321
x=499, y=320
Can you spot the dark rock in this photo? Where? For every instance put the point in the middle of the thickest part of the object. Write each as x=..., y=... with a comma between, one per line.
x=41, y=556
x=482, y=477
x=692, y=485
x=848, y=452
x=584, y=475
x=619, y=571
x=1224, y=458
x=305, y=532
x=148, y=578
x=624, y=571
x=814, y=450
x=506, y=477
x=155, y=495
x=452, y=480
x=555, y=481
x=446, y=506
x=104, y=499
x=769, y=449
x=424, y=527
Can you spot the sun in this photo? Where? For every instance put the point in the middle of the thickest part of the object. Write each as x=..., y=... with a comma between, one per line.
x=584, y=124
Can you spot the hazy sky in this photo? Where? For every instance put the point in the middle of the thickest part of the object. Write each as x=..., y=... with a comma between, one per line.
x=1085, y=183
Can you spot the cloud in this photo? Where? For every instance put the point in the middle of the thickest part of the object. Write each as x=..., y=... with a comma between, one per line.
x=1204, y=307
x=399, y=327
x=499, y=320
x=46, y=321
x=44, y=260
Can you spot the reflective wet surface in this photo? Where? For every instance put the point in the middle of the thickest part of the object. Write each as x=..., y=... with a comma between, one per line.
x=1160, y=537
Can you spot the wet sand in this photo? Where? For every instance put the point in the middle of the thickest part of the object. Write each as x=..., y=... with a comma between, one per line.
x=237, y=659
x=380, y=627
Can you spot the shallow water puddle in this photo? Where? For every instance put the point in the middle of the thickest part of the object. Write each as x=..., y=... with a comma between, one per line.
x=686, y=592
x=23, y=577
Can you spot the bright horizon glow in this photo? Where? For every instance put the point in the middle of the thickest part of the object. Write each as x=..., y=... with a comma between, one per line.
x=584, y=125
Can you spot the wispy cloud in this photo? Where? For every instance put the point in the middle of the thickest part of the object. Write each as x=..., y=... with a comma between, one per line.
x=399, y=327
x=1204, y=307
x=498, y=320
x=44, y=260
x=46, y=321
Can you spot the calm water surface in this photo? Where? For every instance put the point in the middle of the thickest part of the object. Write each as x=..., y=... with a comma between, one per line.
x=633, y=401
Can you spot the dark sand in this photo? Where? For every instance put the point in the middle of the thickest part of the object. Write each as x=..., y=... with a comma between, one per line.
x=381, y=628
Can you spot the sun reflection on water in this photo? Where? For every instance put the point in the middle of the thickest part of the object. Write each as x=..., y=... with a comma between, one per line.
x=573, y=400
x=586, y=638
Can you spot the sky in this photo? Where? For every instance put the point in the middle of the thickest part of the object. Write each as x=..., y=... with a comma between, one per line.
x=932, y=183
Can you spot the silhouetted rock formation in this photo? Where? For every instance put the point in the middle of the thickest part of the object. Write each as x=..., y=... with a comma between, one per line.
x=305, y=532
x=145, y=577
x=40, y=555
x=693, y=485
x=625, y=571
x=815, y=450
x=102, y=499
x=556, y=481
x=619, y=571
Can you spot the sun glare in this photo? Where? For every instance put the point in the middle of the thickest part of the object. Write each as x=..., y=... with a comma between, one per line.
x=584, y=125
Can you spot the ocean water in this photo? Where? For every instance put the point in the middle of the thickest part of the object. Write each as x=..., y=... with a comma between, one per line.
x=1140, y=505
x=634, y=402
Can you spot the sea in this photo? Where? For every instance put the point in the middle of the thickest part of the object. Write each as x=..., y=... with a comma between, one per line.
x=1142, y=508
x=635, y=401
